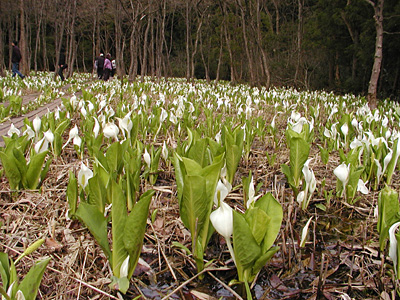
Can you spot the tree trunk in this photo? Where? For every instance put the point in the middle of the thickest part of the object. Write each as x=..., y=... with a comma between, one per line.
x=1, y=45
x=246, y=46
x=265, y=66
x=23, y=45
x=299, y=39
x=145, y=51
x=72, y=43
x=376, y=69
x=187, y=40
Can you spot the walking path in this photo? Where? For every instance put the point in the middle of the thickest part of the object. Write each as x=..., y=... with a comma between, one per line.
x=18, y=121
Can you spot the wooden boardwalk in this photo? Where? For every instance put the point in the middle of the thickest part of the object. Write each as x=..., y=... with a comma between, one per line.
x=18, y=121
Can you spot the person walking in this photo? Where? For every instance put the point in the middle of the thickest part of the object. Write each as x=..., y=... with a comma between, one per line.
x=15, y=60
x=99, y=65
x=107, y=67
x=62, y=65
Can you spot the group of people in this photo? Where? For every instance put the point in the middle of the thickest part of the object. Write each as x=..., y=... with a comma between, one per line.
x=105, y=66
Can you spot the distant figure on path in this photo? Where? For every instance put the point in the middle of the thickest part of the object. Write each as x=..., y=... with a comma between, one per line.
x=107, y=67
x=99, y=65
x=61, y=64
x=15, y=59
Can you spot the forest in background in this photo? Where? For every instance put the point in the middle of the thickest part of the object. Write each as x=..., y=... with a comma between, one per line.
x=307, y=44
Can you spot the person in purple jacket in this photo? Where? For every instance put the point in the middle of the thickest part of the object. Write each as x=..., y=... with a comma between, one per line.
x=107, y=67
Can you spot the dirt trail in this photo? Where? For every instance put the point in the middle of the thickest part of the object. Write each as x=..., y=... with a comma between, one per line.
x=18, y=121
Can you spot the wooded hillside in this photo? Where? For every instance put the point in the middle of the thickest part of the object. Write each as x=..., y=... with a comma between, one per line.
x=308, y=44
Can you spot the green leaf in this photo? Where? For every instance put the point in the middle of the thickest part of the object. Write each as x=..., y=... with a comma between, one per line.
x=4, y=269
x=57, y=144
x=258, y=221
x=393, y=162
x=288, y=173
x=299, y=150
x=97, y=193
x=192, y=167
x=198, y=152
x=34, y=170
x=96, y=223
x=324, y=155
x=180, y=246
x=30, y=284
x=11, y=169
x=120, y=284
x=135, y=229
x=388, y=209
x=245, y=246
x=260, y=263
x=114, y=157
x=194, y=207
x=119, y=215
x=179, y=175
x=273, y=209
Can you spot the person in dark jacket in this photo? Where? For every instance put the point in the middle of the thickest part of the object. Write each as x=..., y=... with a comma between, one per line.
x=15, y=60
x=61, y=64
x=99, y=65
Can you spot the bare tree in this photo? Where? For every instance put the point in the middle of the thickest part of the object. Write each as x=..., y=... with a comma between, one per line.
x=376, y=69
x=23, y=43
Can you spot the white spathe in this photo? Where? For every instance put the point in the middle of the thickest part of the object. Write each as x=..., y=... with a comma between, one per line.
x=147, y=158
x=84, y=175
x=220, y=192
x=393, y=245
x=342, y=173
x=111, y=130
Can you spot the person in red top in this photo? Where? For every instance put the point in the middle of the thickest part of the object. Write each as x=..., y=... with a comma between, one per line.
x=15, y=59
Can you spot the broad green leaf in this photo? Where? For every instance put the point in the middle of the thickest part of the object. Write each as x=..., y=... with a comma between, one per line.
x=62, y=127
x=393, y=162
x=194, y=206
x=114, y=157
x=388, y=210
x=20, y=161
x=97, y=193
x=198, y=152
x=260, y=263
x=57, y=144
x=34, y=170
x=397, y=265
x=258, y=222
x=30, y=284
x=273, y=209
x=299, y=150
x=120, y=284
x=324, y=155
x=135, y=229
x=4, y=269
x=354, y=176
x=119, y=215
x=45, y=169
x=96, y=223
x=245, y=246
x=12, y=171
x=192, y=167
x=288, y=173
x=179, y=175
